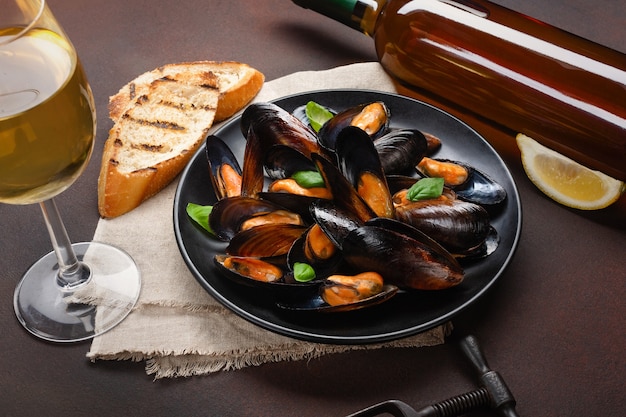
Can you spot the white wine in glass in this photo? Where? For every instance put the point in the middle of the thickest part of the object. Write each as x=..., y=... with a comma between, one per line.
x=47, y=129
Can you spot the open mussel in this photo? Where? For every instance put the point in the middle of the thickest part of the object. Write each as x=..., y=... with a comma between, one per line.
x=234, y=214
x=335, y=222
x=248, y=269
x=373, y=118
x=469, y=183
x=269, y=279
x=277, y=144
x=316, y=250
x=459, y=226
x=275, y=126
x=266, y=240
x=360, y=165
x=344, y=194
x=224, y=169
x=341, y=293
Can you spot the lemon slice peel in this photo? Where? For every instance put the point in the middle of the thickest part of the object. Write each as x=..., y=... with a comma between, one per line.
x=566, y=181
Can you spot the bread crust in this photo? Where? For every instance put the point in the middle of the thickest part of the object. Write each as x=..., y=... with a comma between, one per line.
x=233, y=95
x=185, y=99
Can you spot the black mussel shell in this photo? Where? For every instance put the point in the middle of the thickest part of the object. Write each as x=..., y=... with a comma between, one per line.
x=275, y=126
x=357, y=156
x=322, y=267
x=228, y=214
x=459, y=226
x=334, y=221
x=329, y=131
x=219, y=154
x=282, y=161
x=344, y=194
x=400, y=259
x=400, y=150
x=287, y=289
x=481, y=189
x=478, y=188
x=265, y=241
x=318, y=305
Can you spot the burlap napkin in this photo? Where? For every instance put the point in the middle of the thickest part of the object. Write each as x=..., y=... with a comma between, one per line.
x=176, y=326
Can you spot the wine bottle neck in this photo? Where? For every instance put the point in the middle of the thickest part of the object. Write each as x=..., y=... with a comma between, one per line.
x=357, y=14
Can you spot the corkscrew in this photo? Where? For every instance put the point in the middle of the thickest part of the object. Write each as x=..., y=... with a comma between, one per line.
x=493, y=394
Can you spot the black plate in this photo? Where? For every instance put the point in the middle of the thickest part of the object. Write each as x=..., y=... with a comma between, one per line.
x=407, y=313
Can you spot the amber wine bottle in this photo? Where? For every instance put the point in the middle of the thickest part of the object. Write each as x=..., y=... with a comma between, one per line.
x=504, y=67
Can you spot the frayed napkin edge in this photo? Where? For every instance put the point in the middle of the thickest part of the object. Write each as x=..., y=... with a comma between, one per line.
x=188, y=364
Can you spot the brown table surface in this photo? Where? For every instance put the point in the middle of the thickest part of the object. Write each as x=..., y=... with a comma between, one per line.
x=553, y=325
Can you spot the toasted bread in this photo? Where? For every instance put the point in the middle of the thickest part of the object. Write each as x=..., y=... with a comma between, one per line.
x=237, y=83
x=161, y=118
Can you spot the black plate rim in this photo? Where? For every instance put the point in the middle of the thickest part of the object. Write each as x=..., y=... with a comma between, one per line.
x=312, y=335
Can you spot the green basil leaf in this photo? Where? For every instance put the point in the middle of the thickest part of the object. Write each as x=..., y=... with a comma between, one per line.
x=308, y=179
x=317, y=114
x=200, y=214
x=303, y=272
x=425, y=189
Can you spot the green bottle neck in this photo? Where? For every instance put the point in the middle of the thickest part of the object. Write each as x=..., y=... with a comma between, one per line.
x=357, y=14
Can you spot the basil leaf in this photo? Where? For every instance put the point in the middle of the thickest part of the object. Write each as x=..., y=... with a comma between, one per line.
x=425, y=189
x=200, y=214
x=303, y=272
x=308, y=179
x=317, y=114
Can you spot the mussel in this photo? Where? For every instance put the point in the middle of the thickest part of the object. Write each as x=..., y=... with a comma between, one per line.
x=349, y=289
x=315, y=249
x=373, y=118
x=275, y=126
x=360, y=165
x=334, y=221
x=267, y=279
x=459, y=226
x=234, y=214
x=400, y=150
x=265, y=241
x=248, y=268
x=224, y=169
x=291, y=186
x=402, y=260
x=341, y=293
x=277, y=143
x=469, y=183
x=344, y=194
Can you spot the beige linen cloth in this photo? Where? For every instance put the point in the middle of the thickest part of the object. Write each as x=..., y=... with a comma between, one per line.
x=177, y=328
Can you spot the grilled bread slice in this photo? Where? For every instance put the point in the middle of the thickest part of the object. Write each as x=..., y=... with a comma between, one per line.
x=237, y=83
x=164, y=120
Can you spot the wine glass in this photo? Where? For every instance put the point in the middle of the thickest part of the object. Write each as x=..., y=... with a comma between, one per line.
x=47, y=128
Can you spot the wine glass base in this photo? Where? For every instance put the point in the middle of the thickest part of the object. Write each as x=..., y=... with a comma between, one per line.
x=62, y=314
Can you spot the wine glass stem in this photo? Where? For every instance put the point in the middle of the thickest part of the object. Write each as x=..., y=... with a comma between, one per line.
x=72, y=272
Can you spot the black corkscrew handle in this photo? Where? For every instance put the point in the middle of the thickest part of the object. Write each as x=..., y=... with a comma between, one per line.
x=502, y=399
x=493, y=394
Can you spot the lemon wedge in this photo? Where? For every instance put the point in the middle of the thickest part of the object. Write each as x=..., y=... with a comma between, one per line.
x=566, y=181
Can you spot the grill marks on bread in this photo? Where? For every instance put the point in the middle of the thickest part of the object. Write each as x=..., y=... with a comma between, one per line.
x=161, y=118
x=169, y=119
